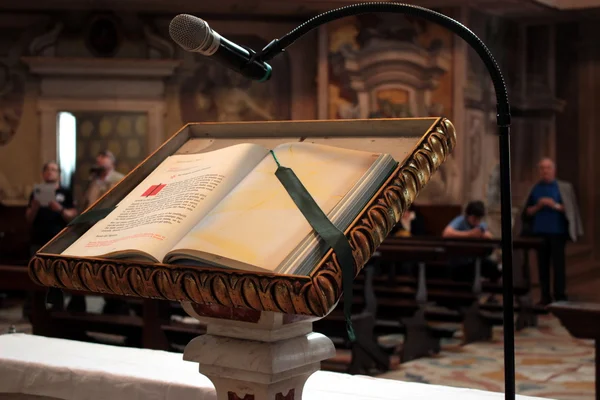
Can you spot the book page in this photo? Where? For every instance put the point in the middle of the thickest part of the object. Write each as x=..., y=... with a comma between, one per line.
x=258, y=224
x=168, y=203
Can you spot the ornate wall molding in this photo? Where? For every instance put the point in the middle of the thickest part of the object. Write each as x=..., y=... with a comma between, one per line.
x=165, y=48
x=90, y=67
x=386, y=64
x=45, y=44
x=48, y=109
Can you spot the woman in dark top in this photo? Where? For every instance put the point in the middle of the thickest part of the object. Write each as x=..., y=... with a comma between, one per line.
x=47, y=221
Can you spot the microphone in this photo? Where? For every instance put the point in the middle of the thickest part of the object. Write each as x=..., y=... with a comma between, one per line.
x=193, y=34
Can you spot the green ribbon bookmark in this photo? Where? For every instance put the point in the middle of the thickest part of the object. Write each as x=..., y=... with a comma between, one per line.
x=91, y=216
x=323, y=226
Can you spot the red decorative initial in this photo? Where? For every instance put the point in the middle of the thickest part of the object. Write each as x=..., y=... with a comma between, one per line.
x=289, y=396
x=233, y=396
x=153, y=190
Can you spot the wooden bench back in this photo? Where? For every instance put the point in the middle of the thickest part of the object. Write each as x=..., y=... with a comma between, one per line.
x=437, y=216
x=14, y=235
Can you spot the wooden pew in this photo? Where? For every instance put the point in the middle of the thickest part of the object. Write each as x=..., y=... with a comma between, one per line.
x=401, y=308
x=582, y=320
x=151, y=327
x=404, y=311
x=477, y=319
x=14, y=244
x=14, y=235
x=463, y=300
x=527, y=312
x=437, y=216
x=366, y=355
x=15, y=277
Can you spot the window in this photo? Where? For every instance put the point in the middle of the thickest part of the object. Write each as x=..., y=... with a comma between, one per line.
x=67, y=151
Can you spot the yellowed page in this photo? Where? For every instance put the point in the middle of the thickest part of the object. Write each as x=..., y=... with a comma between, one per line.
x=258, y=223
x=169, y=202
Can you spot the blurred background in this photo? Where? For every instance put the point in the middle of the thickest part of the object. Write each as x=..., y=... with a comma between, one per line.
x=83, y=78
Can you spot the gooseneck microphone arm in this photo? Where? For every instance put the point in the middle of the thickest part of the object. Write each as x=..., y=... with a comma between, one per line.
x=277, y=46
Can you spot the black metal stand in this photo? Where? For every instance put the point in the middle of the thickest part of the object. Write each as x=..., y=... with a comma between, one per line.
x=277, y=46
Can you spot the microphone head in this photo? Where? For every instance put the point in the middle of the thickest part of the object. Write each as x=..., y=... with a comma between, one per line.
x=194, y=34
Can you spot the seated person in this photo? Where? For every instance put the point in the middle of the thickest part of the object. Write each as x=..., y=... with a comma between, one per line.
x=471, y=225
x=411, y=224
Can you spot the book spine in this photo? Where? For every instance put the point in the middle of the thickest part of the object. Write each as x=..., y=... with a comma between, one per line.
x=314, y=295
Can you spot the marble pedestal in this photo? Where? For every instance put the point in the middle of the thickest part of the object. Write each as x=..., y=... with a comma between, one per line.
x=256, y=355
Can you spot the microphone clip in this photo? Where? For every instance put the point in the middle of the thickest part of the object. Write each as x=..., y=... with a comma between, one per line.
x=269, y=51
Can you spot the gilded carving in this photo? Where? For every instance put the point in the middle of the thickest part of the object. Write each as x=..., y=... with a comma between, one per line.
x=234, y=396
x=313, y=295
x=289, y=396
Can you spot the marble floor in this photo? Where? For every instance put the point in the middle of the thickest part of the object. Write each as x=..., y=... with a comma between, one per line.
x=549, y=363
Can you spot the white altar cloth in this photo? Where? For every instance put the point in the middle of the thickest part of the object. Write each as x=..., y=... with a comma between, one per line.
x=70, y=370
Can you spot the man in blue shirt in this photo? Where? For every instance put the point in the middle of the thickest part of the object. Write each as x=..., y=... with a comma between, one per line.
x=471, y=225
x=551, y=213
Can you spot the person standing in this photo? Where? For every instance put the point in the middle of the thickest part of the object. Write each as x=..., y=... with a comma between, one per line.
x=103, y=178
x=48, y=220
x=551, y=213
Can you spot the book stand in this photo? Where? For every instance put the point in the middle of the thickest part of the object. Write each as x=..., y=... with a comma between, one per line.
x=259, y=343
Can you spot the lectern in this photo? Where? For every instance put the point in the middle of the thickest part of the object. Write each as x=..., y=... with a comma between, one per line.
x=259, y=343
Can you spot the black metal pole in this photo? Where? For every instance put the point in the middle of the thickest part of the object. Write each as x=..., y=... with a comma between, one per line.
x=503, y=121
x=507, y=265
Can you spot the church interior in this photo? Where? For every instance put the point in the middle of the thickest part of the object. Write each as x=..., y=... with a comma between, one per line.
x=90, y=90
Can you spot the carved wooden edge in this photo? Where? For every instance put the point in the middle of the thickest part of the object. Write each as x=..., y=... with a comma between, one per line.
x=312, y=295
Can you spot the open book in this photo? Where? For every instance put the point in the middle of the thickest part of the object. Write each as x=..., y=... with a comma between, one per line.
x=227, y=208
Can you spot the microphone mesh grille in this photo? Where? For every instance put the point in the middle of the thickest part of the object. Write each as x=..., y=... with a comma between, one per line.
x=188, y=31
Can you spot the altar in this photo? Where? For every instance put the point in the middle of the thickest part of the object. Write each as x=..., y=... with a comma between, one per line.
x=35, y=367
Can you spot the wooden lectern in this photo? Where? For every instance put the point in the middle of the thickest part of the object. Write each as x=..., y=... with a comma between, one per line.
x=259, y=343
